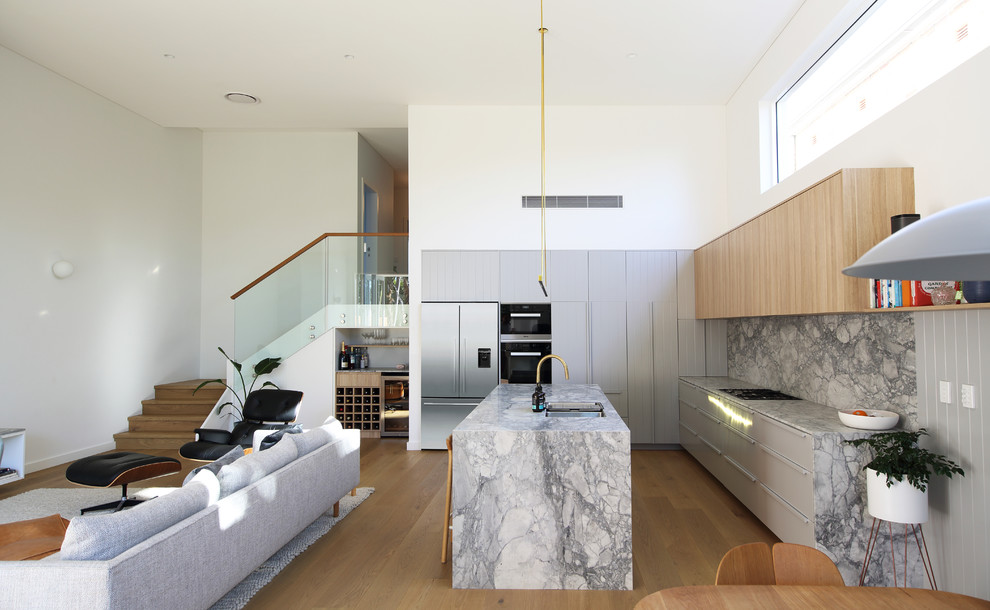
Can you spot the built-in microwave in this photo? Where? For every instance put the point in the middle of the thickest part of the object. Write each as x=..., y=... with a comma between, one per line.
x=525, y=322
x=519, y=360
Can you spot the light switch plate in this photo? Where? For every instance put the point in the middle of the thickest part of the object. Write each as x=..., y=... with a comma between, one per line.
x=967, y=396
x=945, y=392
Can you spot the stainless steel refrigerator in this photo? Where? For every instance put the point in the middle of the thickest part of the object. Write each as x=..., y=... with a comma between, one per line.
x=460, y=364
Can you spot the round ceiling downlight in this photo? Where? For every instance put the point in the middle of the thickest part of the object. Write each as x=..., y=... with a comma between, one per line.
x=241, y=98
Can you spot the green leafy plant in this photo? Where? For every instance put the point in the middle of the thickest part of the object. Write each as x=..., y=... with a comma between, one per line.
x=898, y=456
x=262, y=367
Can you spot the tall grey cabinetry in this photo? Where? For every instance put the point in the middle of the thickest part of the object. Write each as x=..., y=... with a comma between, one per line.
x=460, y=275
x=651, y=321
x=607, y=326
x=569, y=312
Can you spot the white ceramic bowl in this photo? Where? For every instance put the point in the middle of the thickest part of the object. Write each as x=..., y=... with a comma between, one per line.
x=874, y=420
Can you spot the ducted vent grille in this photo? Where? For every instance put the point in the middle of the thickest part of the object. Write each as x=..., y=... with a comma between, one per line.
x=574, y=201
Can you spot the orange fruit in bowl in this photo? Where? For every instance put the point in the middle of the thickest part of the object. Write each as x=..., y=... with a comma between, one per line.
x=861, y=413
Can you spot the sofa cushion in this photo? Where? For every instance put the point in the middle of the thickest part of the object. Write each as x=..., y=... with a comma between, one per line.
x=317, y=437
x=208, y=480
x=255, y=466
x=32, y=539
x=228, y=458
x=105, y=536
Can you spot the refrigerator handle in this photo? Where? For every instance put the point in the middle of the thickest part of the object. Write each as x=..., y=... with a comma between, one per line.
x=455, y=366
x=464, y=365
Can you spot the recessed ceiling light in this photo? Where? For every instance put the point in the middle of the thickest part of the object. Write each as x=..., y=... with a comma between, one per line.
x=168, y=56
x=631, y=56
x=241, y=98
x=348, y=56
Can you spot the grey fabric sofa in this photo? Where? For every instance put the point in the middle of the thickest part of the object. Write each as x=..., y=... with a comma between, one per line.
x=197, y=542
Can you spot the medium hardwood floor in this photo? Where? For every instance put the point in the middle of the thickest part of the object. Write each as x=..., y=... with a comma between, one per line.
x=386, y=553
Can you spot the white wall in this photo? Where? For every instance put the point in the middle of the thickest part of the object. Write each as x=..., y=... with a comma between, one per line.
x=941, y=132
x=470, y=166
x=88, y=181
x=266, y=195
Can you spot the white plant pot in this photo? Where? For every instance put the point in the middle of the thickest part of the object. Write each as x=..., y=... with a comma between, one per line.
x=902, y=502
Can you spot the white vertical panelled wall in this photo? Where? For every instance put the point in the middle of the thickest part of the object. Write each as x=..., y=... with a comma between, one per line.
x=952, y=346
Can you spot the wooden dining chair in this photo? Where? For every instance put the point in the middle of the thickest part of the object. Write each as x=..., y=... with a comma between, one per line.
x=746, y=564
x=446, y=508
x=796, y=564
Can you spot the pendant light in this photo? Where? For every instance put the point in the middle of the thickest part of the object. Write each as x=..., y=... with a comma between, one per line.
x=543, y=279
x=953, y=244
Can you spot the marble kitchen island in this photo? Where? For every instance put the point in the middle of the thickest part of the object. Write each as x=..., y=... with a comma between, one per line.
x=541, y=502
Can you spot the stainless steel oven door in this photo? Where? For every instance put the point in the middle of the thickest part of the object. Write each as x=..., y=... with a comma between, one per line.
x=519, y=362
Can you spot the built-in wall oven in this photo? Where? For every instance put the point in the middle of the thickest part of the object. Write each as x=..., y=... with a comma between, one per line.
x=525, y=339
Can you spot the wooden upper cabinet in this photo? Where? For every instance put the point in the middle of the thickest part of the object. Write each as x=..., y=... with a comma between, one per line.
x=789, y=260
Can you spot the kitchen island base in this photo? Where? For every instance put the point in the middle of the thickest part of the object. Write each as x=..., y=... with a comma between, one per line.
x=541, y=502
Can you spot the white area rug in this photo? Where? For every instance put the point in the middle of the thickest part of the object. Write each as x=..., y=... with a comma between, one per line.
x=67, y=502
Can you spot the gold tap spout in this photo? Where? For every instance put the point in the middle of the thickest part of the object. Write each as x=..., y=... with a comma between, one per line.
x=539, y=365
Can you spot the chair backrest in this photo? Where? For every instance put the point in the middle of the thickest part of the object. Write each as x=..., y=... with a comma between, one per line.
x=796, y=564
x=272, y=405
x=746, y=564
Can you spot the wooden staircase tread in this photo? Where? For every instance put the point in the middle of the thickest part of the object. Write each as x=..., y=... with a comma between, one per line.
x=192, y=400
x=177, y=385
x=162, y=434
x=191, y=417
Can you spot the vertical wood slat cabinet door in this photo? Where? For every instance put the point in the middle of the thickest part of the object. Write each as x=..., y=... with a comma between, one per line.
x=458, y=275
x=570, y=342
x=608, y=351
x=519, y=276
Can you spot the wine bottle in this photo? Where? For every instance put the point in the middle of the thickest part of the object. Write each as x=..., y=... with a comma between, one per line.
x=345, y=362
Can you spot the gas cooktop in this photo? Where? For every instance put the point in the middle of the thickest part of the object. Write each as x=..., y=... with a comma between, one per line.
x=757, y=394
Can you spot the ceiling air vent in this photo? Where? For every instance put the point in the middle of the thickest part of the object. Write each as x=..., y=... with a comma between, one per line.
x=574, y=201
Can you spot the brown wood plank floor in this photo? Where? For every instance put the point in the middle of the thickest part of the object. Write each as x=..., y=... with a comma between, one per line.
x=386, y=554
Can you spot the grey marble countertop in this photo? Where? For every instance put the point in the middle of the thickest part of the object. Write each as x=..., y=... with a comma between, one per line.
x=811, y=417
x=509, y=408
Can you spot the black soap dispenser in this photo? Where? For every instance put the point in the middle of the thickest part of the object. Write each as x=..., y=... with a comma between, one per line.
x=539, y=399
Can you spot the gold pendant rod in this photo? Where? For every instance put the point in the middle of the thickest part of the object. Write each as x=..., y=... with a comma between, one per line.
x=543, y=161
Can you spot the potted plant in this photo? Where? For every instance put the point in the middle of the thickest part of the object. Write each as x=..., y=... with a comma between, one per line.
x=262, y=367
x=897, y=476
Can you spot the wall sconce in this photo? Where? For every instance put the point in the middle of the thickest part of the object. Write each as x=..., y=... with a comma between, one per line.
x=62, y=269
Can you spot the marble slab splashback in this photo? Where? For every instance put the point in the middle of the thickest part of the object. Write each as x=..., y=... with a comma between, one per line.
x=844, y=361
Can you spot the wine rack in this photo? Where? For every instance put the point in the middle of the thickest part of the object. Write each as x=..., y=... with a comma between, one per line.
x=358, y=403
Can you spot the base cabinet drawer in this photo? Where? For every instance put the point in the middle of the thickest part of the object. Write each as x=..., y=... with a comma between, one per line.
x=790, y=524
x=789, y=442
x=790, y=481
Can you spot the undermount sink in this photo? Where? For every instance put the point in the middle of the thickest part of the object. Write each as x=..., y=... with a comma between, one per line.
x=575, y=409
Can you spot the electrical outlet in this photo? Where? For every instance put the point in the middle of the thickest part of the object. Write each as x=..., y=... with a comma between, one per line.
x=945, y=392
x=967, y=396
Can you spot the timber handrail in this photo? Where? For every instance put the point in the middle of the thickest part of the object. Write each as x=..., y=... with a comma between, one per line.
x=304, y=249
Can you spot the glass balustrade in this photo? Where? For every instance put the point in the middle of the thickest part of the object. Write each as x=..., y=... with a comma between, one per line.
x=353, y=281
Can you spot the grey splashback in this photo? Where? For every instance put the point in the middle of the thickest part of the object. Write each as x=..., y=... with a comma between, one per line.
x=843, y=361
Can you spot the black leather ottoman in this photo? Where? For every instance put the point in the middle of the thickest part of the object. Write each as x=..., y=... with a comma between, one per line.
x=120, y=468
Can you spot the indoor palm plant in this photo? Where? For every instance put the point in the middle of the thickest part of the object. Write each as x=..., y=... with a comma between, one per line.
x=262, y=367
x=897, y=476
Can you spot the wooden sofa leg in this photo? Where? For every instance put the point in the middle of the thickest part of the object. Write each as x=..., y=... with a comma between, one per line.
x=336, y=509
x=354, y=491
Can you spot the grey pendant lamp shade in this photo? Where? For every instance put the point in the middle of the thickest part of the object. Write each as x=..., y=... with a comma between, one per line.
x=953, y=244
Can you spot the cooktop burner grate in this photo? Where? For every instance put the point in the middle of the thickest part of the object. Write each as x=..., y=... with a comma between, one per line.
x=757, y=394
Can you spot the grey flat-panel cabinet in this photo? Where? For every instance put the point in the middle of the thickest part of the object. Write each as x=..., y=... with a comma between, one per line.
x=460, y=275
x=570, y=342
x=569, y=275
x=519, y=276
x=651, y=275
x=606, y=275
x=608, y=351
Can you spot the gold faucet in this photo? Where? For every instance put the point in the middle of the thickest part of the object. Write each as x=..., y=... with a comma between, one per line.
x=539, y=365
x=539, y=398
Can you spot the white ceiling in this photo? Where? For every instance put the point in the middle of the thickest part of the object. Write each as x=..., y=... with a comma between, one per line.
x=173, y=61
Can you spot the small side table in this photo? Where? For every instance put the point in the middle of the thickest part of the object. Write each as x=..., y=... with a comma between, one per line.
x=12, y=453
